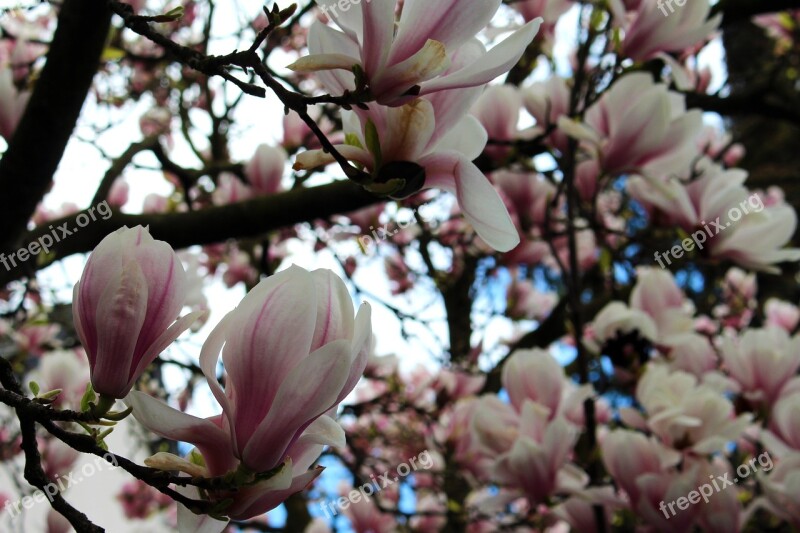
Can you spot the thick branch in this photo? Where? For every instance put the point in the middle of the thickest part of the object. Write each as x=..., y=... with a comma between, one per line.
x=738, y=10
x=35, y=150
x=209, y=226
x=749, y=103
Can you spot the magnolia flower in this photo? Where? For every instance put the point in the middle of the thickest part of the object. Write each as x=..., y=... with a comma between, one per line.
x=629, y=455
x=230, y=190
x=639, y=126
x=535, y=376
x=292, y=351
x=66, y=370
x=657, y=26
x=119, y=193
x=265, y=170
x=549, y=10
x=617, y=319
x=547, y=102
x=538, y=457
x=526, y=302
x=784, y=434
x=687, y=415
x=415, y=58
x=754, y=233
x=781, y=314
x=498, y=111
x=125, y=307
x=781, y=488
x=12, y=103
x=658, y=296
x=762, y=361
x=427, y=143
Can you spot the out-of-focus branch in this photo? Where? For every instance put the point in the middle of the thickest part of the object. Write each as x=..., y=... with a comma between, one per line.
x=35, y=150
x=738, y=10
x=34, y=473
x=208, y=226
x=748, y=103
x=118, y=167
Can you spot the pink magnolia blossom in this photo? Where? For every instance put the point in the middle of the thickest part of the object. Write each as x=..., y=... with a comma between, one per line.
x=125, y=307
x=685, y=414
x=265, y=170
x=118, y=195
x=549, y=10
x=230, y=190
x=418, y=54
x=12, y=103
x=658, y=296
x=784, y=315
x=239, y=268
x=498, y=110
x=737, y=224
x=526, y=302
x=629, y=455
x=292, y=351
x=639, y=126
x=617, y=318
x=536, y=464
x=529, y=197
x=762, y=361
x=547, y=102
x=429, y=143
x=35, y=338
x=66, y=370
x=784, y=433
x=535, y=376
x=57, y=458
x=658, y=489
x=653, y=27
x=365, y=517
x=57, y=522
x=781, y=487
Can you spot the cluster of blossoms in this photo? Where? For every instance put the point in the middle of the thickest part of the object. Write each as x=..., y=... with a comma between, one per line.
x=578, y=382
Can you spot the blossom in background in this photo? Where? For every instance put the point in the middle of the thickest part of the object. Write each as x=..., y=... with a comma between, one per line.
x=652, y=27
x=762, y=361
x=292, y=351
x=547, y=102
x=416, y=58
x=428, y=143
x=12, y=103
x=639, y=126
x=264, y=171
x=685, y=414
x=125, y=307
x=754, y=234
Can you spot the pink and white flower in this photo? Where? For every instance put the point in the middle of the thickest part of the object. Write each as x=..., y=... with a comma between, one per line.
x=416, y=58
x=292, y=350
x=125, y=307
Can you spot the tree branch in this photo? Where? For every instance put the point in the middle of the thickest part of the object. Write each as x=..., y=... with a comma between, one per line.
x=35, y=150
x=208, y=226
x=738, y=10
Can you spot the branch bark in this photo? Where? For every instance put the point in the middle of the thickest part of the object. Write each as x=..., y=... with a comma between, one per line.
x=738, y=10
x=208, y=226
x=35, y=150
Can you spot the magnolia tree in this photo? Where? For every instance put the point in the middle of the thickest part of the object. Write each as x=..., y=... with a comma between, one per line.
x=551, y=299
